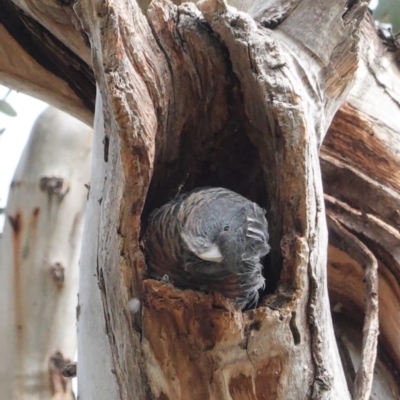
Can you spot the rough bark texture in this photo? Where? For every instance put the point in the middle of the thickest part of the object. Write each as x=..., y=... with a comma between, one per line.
x=204, y=96
x=219, y=96
x=39, y=256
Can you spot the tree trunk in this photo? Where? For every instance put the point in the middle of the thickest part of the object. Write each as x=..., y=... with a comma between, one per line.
x=39, y=256
x=211, y=99
x=205, y=96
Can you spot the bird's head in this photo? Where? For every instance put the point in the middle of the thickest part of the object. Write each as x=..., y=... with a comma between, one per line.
x=218, y=234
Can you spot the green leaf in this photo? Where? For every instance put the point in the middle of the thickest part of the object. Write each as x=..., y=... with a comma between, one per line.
x=388, y=11
x=5, y=108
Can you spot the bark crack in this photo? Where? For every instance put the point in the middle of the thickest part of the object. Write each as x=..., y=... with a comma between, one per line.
x=164, y=52
x=108, y=325
x=322, y=379
x=381, y=85
x=294, y=329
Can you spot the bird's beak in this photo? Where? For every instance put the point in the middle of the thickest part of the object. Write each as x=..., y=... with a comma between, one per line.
x=211, y=254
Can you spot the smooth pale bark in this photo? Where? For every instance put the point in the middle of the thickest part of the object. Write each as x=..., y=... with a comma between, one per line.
x=39, y=256
x=96, y=377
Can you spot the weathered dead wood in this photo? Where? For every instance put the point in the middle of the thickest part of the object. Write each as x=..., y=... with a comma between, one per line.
x=179, y=97
x=18, y=70
x=350, y=338
x=360, y=166
x=382, y=241
x=128, y=67
x=59, y=18
x=35, y=61
x=208, y=78
x=347, y=242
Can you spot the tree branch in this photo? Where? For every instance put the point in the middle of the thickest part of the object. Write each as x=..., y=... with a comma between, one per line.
x=59, y=64
x=349, y=243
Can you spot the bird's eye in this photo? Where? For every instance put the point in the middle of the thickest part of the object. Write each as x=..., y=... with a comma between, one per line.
x=226, y=228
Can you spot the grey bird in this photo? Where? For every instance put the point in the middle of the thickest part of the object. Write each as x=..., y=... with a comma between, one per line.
x=211, y=239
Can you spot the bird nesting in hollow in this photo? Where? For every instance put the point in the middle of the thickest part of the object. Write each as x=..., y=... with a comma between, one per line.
x=210, y=239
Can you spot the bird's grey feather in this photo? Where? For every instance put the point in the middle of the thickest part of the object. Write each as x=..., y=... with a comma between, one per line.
x=210, y=239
